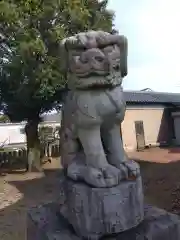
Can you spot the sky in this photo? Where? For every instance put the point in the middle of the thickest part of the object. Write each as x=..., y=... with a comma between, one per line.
x=152, y=29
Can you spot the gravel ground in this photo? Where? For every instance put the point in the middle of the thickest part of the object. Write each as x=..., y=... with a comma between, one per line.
x=20, y=191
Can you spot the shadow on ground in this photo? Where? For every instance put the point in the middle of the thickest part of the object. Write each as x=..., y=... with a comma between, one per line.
x=174, y=150
x=161, y=187
x=162, y=184
x=22, y=191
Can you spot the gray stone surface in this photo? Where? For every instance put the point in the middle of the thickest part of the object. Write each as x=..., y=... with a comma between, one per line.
x=95, y=63
x=94, y=212
x=45, y=224
x=97, y=55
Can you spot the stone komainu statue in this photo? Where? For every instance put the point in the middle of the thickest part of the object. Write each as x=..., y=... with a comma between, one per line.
x=91, y=146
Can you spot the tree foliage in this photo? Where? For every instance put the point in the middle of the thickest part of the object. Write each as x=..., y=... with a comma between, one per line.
x=4, y=118
x=31, y=80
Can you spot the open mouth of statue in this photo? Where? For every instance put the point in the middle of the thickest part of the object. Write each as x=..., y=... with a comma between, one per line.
x=90, y=72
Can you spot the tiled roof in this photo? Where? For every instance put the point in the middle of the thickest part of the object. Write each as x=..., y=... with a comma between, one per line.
x=149, y=96
x=152, y=97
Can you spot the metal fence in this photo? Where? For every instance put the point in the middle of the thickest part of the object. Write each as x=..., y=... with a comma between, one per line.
x=12, y=155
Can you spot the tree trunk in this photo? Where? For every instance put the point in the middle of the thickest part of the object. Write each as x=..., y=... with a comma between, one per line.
x=33, y=146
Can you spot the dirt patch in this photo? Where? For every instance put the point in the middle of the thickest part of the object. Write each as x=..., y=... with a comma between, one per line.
x=162, y=185
x=157, y=155
x=161, y=178
x=18, y=192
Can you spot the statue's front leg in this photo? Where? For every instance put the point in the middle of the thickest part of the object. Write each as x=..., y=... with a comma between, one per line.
x=115, y=152
x=98, y=172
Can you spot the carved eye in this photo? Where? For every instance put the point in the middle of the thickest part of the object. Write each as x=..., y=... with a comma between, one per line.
x=99, y=58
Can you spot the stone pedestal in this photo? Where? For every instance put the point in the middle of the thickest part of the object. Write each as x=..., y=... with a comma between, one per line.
x=45, y=223
x=95, y=212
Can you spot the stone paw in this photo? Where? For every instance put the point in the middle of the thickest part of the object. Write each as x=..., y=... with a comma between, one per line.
x=107, y=177
x=92, y=176
x=75, y=171
x=111, y=175
x=133, y=168
x=123, y=172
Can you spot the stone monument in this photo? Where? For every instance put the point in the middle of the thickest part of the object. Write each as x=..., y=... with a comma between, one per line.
x=102, y=188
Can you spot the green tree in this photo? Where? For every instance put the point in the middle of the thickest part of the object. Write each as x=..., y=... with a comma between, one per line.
x=31, y=80
x=4, y=118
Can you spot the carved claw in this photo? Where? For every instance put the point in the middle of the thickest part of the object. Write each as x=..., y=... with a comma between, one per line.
x=111, y=175
x=107, y=177
x=128, y=170
x=75, y=171
x=133, y=168
x=94, y=177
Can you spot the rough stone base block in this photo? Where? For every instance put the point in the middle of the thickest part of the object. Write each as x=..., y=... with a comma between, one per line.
x=45, y=224
x=95, y=212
